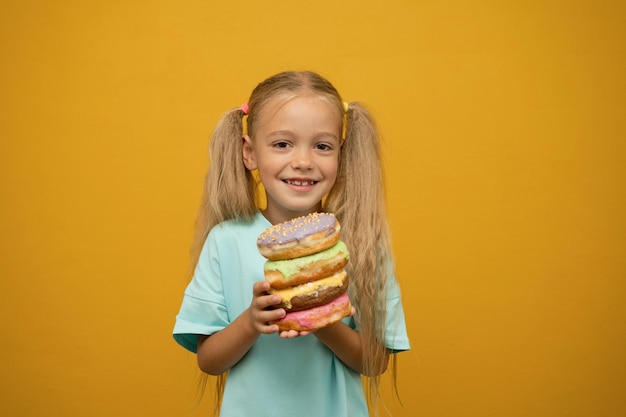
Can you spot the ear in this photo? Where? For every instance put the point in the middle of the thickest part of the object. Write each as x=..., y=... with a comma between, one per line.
x=248, y=153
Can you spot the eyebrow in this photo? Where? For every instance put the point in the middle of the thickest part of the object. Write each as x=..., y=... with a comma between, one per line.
x=291, y=134
x=280, y=133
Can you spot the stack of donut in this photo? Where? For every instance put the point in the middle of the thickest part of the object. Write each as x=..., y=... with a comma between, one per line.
x=305, y=267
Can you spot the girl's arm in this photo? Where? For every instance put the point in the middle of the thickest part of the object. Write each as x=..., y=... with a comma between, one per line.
x=346, y=344
x=222, y=350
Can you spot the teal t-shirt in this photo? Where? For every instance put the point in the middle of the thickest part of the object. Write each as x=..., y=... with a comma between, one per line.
x=277, y=377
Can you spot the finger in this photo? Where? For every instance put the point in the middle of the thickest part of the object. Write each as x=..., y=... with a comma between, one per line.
x=267, y=316
x=269, y=329
x=264, y=301
x=289, y=334
x=263, y=320
x=260, y=287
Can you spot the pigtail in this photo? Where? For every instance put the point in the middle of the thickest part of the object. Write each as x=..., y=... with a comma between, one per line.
x=358, y=202
x=229, y=188
x=229, y=192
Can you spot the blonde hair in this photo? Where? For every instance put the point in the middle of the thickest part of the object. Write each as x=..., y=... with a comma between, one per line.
x=356, y=199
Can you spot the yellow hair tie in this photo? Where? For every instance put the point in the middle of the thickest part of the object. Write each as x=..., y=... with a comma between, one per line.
x=345, y=106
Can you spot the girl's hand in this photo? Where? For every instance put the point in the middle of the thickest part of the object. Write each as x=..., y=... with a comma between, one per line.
x=260, y=313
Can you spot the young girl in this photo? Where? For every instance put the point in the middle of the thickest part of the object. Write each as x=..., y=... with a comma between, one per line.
x=312, y=152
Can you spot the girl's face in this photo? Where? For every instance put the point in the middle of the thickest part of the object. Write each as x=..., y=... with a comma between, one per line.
x=296, y=150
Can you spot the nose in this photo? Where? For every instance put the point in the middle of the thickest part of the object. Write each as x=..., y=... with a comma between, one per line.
x=302, y=159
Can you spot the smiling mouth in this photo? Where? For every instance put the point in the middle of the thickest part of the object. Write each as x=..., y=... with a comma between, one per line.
x=300, y=183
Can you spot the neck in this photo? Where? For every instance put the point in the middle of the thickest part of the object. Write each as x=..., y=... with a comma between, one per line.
x=278, y=216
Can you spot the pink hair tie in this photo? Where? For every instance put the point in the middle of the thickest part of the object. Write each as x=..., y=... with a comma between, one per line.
x=245, y=108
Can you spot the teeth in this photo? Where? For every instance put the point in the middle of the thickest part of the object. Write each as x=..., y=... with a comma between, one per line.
x=300, y=183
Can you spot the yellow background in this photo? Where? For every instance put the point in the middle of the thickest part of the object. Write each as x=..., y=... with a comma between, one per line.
x=505, y=132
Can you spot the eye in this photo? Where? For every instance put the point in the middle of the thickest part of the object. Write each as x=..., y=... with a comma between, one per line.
x=324, y=147
x=281, y=144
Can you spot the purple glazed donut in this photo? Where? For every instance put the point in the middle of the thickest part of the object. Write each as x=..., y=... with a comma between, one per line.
x=299, y=237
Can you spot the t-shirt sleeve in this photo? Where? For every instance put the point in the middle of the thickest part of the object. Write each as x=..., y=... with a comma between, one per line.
x=396, y=338
x=203, y=309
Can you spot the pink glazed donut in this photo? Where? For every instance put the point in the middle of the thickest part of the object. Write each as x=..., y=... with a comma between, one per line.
x=316, y=317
